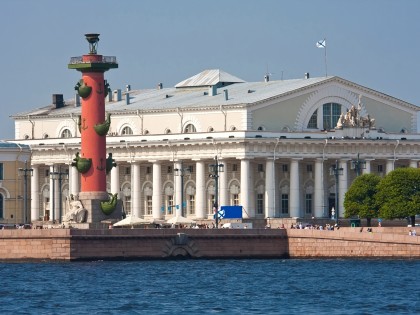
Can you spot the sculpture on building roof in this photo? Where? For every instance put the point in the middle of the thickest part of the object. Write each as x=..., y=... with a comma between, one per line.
x=353, y=118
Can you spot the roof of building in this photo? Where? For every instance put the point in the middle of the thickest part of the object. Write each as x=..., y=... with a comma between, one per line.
x=209, y=78
x=194, y=93
x=8, y=145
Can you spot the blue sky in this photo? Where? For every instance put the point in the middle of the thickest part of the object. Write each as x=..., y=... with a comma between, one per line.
x=374, y=43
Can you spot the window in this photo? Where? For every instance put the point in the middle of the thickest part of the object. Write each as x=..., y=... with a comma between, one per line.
x=260, y=203
x=308, y=203
x=127, y=171
x=260, y=168
x=284, y=203
x=234, y=167
x=309, y=168
x=332, y=112
x=313, y=121
x=169, y=204
x=148, y=170
x=1, y=206
x=190, y=128
x=66, y=134
x=190, y=169
x=47, y=173
x=285, y=168
x=126, y=131
x=127, y=205
x=1, y=171
x=169, y=170
x=191, y=204
x=235, y=200
x=211, y=205
x=149, y=207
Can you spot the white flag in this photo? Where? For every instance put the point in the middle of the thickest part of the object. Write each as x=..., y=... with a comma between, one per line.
x=321, y=44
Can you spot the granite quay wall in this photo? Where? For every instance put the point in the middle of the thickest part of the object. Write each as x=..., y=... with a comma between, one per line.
x=21, y=244
x=351, y=243
x=79, y=244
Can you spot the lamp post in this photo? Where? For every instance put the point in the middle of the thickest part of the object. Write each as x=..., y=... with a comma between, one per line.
x=214, y=170
x=182, y=172
x=58, y=175
x=358, y=165
x=25, y=172
x=336, y=171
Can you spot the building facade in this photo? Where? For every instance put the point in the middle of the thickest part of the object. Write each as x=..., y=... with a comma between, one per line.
x=277, y=142
x=14, y=175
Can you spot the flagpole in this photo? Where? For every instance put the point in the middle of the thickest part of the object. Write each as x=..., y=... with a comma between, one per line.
x=325, y=54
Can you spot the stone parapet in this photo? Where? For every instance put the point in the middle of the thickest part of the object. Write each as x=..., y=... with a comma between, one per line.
x=89, y=244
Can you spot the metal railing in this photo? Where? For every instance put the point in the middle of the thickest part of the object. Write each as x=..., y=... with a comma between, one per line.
x=105, y=59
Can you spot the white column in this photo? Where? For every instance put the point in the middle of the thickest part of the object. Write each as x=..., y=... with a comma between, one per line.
x=269, y=188
x=245, y=184
x=343, y=186
x=74, y=181
x=223, y=189
x=414, y=163
x=294, y=189
x=115, y=180
x=389, y=166
x=54, y=197
x=157, y=191
x=135, y=189
x=200, y=191
x=35, y=193
x=319, y=190
x=367, y=169
x=178, y=191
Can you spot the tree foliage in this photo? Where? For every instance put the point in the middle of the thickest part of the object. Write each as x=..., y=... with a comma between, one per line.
x=360, y=199
x=399, y=194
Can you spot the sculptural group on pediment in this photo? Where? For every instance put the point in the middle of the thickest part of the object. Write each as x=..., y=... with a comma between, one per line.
x=353, y=118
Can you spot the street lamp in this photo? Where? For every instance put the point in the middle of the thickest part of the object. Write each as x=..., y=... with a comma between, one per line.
x=358, y=165
x=336, y=171
x=182, y=172
x=58, y=175
x=25, y=172
x=214, y=170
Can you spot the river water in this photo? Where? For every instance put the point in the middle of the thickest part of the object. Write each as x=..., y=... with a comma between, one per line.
x=254, y=286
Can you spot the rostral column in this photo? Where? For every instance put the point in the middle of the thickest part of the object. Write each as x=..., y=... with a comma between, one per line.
x=93, y=126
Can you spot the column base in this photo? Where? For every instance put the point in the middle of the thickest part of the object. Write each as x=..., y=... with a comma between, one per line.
x=91, y=201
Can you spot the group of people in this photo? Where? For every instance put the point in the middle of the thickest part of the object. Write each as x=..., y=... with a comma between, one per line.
x=412, y=233
x=328, y=227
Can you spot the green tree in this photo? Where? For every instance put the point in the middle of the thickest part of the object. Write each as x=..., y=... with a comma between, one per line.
x=399, y=194
x=359, y=199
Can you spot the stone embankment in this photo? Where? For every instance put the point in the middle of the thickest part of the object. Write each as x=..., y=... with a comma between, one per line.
x=91, y=244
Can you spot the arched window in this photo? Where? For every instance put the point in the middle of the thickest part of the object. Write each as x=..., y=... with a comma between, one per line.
x=1, y=206
x=190, y=128
x=126, y=131
x=313, y=122
x=66, y=134
x=331, y=114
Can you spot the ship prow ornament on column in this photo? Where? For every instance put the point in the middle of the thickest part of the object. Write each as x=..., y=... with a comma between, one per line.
x=91, y=162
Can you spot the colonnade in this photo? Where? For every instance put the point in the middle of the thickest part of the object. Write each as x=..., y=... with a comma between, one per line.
x=321, y=186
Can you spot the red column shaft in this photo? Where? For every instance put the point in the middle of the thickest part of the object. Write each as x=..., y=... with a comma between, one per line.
x=93, y=145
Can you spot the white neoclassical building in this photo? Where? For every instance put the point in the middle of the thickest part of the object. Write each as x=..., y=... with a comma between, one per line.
x=277, y=141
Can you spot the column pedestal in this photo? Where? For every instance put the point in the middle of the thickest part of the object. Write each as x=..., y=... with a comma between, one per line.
x=91, y=201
